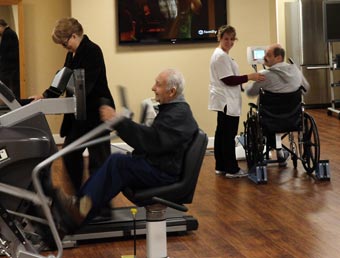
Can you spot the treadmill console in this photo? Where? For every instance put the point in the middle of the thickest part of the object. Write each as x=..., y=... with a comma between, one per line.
x=60, y=81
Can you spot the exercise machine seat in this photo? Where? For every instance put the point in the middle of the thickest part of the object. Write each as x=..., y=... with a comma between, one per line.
x=180, y=192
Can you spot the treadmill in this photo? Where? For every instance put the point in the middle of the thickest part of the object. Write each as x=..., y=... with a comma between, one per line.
x=122, y=225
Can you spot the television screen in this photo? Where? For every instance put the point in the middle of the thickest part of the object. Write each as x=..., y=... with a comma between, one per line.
x=331, y=13
x=170, y=21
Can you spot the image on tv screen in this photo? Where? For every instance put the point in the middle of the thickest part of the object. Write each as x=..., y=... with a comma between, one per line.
x=169, y=21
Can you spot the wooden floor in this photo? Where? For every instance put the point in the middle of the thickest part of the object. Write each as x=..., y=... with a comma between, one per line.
x=293, y=215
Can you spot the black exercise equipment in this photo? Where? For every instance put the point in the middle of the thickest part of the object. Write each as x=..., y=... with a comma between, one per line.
x=25, y=141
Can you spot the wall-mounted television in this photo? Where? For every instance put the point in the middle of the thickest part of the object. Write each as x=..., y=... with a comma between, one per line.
x=169, y=21
x=331, y=18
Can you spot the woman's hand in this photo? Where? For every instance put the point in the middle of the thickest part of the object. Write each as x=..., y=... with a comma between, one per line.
x=258, y=77
x=36, y=97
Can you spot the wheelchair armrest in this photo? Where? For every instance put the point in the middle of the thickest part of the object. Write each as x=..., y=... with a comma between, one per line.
x=302, y=88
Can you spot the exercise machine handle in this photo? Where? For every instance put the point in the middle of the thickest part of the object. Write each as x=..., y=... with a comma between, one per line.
x=170, y=204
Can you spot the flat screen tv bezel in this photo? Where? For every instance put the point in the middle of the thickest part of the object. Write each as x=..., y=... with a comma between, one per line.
x=325, y=26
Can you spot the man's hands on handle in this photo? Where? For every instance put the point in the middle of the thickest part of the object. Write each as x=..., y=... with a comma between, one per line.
x=107, y=113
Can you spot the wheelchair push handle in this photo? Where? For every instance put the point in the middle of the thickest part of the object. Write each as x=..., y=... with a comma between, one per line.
x=303, y=88
x=291, y=61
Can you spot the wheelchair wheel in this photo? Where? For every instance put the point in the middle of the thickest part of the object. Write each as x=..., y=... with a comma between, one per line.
x=311, y=145
x=253, y=142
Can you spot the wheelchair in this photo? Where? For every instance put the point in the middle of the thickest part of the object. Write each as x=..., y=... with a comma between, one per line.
x=279, y=121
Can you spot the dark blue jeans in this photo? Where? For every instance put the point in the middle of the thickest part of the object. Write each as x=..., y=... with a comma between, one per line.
x=118, y=172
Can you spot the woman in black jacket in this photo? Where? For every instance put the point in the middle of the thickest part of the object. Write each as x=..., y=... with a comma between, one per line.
x=82, y=54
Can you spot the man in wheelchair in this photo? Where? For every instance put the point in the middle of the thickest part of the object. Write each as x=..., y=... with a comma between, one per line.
x=280, y=77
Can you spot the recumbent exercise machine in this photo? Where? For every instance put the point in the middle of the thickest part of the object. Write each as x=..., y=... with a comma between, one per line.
x=26, y=224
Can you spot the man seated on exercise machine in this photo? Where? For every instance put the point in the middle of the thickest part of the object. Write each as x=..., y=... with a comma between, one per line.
x=156, y=160
x=281, y=77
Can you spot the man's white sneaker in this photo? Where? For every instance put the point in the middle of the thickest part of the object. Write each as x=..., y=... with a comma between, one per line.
x=219, y=172
x=282, y=156
x=240, y=173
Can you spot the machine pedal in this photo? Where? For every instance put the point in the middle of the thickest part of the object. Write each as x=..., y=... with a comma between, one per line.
x=322, y=170
x=258, y=174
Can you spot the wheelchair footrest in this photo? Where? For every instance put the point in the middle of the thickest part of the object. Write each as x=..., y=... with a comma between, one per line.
x=322, y=170
x=258, y=174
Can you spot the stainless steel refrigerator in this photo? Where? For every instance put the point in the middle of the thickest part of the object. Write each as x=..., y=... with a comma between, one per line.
x=305, y=43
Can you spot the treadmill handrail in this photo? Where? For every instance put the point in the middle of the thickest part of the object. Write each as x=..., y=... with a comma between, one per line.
x=108, y=125
x=7, y=96
x=50, y=106
x=20, y=193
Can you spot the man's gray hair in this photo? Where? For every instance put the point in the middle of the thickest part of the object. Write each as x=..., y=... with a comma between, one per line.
x=175, y=80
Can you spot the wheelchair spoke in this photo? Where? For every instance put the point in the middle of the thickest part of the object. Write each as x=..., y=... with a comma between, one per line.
x=293, y=149
x=308, y=134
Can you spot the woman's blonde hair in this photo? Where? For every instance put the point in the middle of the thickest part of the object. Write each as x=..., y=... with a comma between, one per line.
x=64, y=29
x=230, y=30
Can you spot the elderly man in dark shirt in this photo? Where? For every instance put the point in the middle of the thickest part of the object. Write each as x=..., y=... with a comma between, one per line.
x=157, y=157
